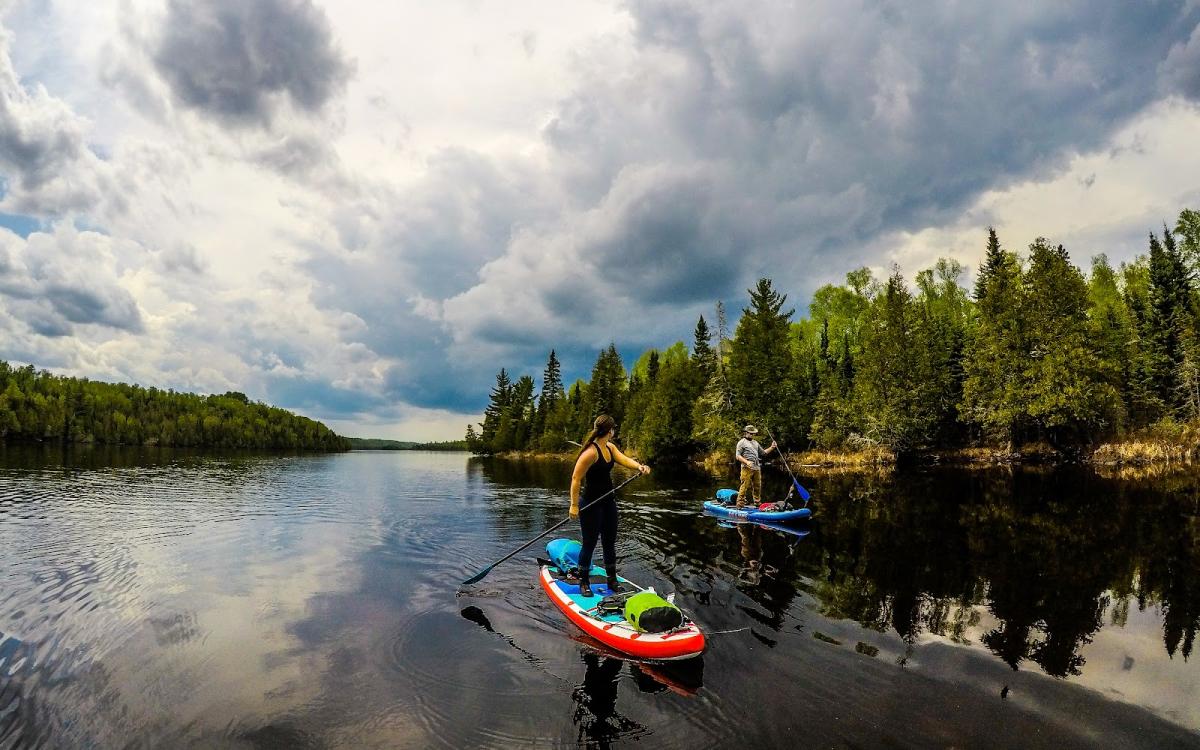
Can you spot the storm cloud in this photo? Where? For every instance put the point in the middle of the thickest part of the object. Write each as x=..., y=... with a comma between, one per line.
x=734, y=144
x=365, y=240
x=239, y=61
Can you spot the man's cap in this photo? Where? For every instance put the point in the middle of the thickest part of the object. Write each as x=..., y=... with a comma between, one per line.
x=750, y=429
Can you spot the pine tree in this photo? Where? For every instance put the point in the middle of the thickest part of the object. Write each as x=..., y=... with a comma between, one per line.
x=667, y=427
x=474, y=444
x=521, y=414
x=1069, y=390
x=702, y=352
x=994, y=384
x=760, y=361
x=1170, y=316
x=993, y=259
x=495, y=413
x=1141, y=394
x=945, y=312
x=606, y=389
x=891, y=395
x=552, y=393
x=1111, y=332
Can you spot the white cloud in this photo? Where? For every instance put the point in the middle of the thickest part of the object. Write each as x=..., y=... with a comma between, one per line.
x=442, y=189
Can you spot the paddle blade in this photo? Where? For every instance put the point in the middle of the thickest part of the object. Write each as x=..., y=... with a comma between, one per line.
x=478, y=576
x=803, y=492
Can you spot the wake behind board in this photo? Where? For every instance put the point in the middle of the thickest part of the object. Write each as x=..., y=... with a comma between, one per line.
x=612, y=630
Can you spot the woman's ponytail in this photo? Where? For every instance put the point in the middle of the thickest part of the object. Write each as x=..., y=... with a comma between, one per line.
x=603, y=425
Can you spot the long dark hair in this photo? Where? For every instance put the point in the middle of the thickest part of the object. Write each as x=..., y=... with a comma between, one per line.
x=603, y=425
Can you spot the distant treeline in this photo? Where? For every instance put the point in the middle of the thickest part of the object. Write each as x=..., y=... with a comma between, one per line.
x=378, y=444
x=39, y=406
x=1036, y=351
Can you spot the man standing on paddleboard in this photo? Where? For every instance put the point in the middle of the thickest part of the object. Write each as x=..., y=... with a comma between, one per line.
x=593, y=470
x=750, y=455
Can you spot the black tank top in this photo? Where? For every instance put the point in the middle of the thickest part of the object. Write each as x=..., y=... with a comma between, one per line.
x=598, y=479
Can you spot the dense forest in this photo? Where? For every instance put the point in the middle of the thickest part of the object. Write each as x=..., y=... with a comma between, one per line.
x=381, y=444
x=44, y=407
x=1036, y=351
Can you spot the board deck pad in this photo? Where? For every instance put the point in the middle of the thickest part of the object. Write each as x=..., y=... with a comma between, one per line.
x=599, y=591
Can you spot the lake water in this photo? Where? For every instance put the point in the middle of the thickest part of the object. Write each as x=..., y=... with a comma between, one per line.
x=170, y=600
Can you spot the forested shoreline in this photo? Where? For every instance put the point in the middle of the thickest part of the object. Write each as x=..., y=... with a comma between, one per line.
x=1038, y=352
x=42, y=407
x=382, y=444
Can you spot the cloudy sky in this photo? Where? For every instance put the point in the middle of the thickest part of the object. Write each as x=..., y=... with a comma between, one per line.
x=361, y=211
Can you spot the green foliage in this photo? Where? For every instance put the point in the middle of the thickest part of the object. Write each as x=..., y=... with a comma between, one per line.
x=892, y=394
x=379, y=444
x=1038, y=351
x=606, y=388
x=996, y=352
x=1170, y=326
x=40, y=406
x=1070, y=386
x=761, y=362
x=1188, y=229
x=663, y=429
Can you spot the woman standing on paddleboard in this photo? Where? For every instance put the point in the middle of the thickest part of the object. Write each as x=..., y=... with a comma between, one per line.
x=593, y=470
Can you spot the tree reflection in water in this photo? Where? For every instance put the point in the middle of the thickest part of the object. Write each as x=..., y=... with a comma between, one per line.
x=1031, y=562
x=1046, y=552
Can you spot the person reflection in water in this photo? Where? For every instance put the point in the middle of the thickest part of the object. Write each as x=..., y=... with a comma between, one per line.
x=596, y=703
x=751, y=571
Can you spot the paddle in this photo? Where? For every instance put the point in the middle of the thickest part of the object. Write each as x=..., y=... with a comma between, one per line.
x=481, y=574
x=799, y=488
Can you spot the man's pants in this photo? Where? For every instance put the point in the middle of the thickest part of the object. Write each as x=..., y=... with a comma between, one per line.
x=751, y=486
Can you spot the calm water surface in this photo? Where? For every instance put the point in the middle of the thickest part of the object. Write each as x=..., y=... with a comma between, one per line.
x=165, y=600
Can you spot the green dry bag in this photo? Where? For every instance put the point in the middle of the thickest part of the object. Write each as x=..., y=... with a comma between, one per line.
x=648, y=612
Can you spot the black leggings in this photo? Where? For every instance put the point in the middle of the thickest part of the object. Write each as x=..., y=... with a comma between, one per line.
x=599, y=521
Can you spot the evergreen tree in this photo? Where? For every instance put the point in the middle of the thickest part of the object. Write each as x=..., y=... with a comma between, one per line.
x=1112, y=333
x=892, y=396
x=1170, y=316
x=474, y=444
x=606, y=389
x=494, y=415
x=1070, y=391
x=994, y=384
x=1141, y=394
x=945, y=313
x=667, y=427
x=703, y=356
x=521, y=414
x=552, y=393
x=760, y=361
x=994, y=259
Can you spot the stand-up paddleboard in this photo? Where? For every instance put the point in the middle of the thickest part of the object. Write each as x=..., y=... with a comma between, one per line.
x=720, y=509
x=610, y=629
